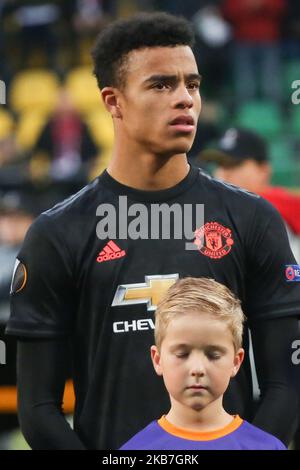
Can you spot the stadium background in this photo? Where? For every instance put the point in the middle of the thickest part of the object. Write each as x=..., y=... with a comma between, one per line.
x=51, y=97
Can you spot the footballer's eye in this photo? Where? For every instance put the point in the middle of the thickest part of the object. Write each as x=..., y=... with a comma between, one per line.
x=194, y=86
x=160, y=86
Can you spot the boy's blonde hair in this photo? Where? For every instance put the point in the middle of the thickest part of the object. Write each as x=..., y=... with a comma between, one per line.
x=202, y=295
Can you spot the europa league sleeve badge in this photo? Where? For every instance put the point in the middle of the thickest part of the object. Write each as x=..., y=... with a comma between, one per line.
x=19, y=277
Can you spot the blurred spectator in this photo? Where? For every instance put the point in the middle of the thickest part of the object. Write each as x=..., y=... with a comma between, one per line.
x=10, y=153
x=36, y=20
x=13, y=166
x=213, y=40
x=257, y=29
x=292, y=31
x=242, y=159
x=213, y=46
x=185, y=8
x=17, y=211
x=65, y=145
x=4, y=67
x=88, y=17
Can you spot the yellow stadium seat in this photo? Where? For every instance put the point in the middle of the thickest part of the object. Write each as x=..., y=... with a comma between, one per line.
x=34, y=89
x=84, y=91
x=29, y=128
x=6, y=124
x=101, y=127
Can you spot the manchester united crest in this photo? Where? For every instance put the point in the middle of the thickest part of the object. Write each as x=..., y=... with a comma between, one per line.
x=214, y=240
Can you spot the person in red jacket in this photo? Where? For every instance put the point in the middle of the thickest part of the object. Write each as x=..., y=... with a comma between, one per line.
x=256, y=27
x=242, y=159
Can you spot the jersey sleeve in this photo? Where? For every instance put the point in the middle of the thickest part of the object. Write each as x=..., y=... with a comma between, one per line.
x=42, y=289
x=272, y=285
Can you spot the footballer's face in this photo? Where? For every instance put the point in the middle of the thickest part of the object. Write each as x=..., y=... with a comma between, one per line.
x=160, y=102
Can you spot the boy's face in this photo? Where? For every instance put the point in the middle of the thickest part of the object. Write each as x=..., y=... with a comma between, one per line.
x=197, y=360
x=159, y=105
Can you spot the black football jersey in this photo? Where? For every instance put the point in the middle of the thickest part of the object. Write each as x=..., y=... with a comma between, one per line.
x=101, y=289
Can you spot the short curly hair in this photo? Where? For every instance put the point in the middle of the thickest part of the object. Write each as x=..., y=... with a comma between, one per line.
x=137, y=32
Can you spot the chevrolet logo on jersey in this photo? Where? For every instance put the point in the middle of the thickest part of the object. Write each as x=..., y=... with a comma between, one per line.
x=148, y=292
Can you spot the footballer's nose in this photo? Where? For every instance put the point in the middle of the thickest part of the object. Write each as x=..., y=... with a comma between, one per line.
x=184, y=98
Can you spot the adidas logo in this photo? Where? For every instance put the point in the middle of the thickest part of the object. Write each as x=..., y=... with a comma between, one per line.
x=109, y=252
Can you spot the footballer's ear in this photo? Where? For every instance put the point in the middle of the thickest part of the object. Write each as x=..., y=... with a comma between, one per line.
x=155, y=356
x=238, y=359
x=110, y=98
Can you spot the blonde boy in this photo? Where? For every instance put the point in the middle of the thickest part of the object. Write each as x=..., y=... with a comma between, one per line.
x=198, y=336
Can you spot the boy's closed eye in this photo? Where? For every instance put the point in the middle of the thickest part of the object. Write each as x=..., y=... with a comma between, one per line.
x=214, y=356
x=182, y=354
